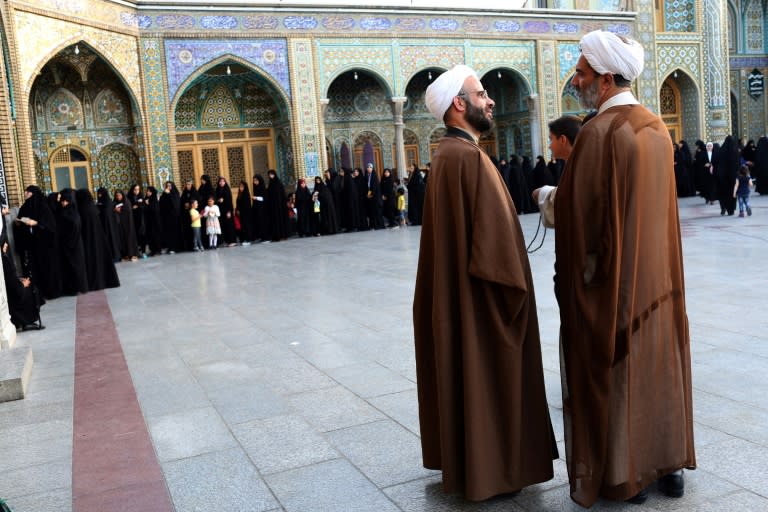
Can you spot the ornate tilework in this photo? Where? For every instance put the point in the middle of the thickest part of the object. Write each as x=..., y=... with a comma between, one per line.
x=507, y=26
x=219, y=110
x=183, y=57
x=336, y=57
x=64, y=110
x=38, y=38
x=157, y=106
x=647, y=84
x=118, y=167
x=305, y=109
x=444, y=24
x=685, y=57
x=568, y=55
x=754, y=27
x=109, y=109
x=218, y=22
x=415, y=58
x=260, y=22
x=679, y=15
x=518, y=56
x=549, y=92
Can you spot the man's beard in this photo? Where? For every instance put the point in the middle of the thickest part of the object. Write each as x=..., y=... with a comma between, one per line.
x=477, y=119
x=589, y=95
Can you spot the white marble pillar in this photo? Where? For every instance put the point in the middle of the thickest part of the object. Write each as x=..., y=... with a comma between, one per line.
x=533, y=112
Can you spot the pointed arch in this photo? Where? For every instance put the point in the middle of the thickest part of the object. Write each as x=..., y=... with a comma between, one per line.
x=374, y=72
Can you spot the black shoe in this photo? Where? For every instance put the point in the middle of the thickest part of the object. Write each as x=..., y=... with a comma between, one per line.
x=672, y=485
x=639, y=498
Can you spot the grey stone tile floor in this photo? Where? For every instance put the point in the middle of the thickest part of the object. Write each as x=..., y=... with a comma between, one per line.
x=282, y=377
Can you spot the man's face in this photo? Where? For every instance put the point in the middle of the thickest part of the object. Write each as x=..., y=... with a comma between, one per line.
x=586, y=81
x=479, y=112
x=559, y=146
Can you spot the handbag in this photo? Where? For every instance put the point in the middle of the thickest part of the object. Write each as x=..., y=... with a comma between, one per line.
x=237, y=223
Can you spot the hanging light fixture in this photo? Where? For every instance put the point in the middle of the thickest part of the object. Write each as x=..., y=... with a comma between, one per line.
x=355, y=75
x=498, y=75
x=77, y=50
x=229, y=71
x=429, y=75
x=674, y=75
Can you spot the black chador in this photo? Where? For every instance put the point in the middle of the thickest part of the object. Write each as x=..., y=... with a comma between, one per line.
x=761, y=166
x=277, y=211
x=244, y=214
x=259, y=211
x=99, y=265
x=129, y=247
x=24, y=298
x=329, y=224
x=37, y=244
x=71, y=253
x=153, y=235
x=304, y=205
x=350, y=202
x=223, y=196
x=388, y=199
x=170, y=206
x=109, y=222
x=726, y=170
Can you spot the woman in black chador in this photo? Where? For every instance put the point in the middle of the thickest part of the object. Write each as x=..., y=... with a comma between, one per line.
x=36, y=242
x=726, y=168
x=223, y=196
x=388, y=199
x=129, y=247
x=303, y=209
x=99, y=265
x=188, y=195
x=244, y=214
x=153, y=235
x=277, y=214
x=170, y=206
x=349, y=198
x=416, y=191
x=71, y=252
x=109, y=223
x=259, y=211
x=329, y=225
x=136, y=198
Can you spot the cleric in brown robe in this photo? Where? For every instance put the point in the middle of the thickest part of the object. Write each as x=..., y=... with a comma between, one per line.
x=619, y=280
x=482, y=407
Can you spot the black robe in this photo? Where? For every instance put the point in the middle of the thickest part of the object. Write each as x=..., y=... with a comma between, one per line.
x=726, y=170
x=761, y=166
x=137, y=209
x=38, y=246
x=517, y=187
x=187, y=196
x=329, y=224
x=244, y=214
x=542, y=175
x=388, y=200
x=416, y=190
x=362, y=191
x=334, y=185
x=259, y=210
x=227, y=221
x=23, y=301
x=277, y=213
x=109, y=223
x=129, y=246
x=170, y=219
x=74, y=279
x=304, y=205
x=153, y=231
x=349, y=199
x=99, y=265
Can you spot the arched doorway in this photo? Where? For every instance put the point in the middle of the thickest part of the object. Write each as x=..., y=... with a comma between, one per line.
x=411, y=145
x=417, y=118
x=569, y=100
x=679, y=106
x=79, y=107
x=232, y=122
x=368, y=150
x=70, y=168
x=359, y=111
x=510, y=92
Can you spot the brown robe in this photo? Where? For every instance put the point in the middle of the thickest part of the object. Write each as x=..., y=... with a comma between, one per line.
x=626, y=352
x=482, y=407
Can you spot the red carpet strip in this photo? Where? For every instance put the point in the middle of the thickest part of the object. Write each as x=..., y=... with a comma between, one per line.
x=114, y=466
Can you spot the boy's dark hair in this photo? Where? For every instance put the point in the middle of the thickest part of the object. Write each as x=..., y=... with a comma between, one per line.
x=744, y=170
x=401, y=191
x=566, y=125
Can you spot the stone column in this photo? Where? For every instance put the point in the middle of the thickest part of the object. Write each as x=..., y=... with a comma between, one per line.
x=323, y=104
x=533, y=112
x=397, y=109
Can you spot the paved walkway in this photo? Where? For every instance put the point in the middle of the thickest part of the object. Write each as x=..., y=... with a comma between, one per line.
x=282, y=377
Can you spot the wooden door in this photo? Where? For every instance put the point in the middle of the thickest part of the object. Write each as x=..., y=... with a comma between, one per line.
x=70, y=168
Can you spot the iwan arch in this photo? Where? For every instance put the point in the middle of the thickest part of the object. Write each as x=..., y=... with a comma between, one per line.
x=105, y=92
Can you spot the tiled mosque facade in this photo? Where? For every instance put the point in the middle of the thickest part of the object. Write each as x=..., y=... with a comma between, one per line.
x=97, y=93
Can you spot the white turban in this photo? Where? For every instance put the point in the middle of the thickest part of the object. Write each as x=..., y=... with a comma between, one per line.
x=440, y=93
x=608, y=53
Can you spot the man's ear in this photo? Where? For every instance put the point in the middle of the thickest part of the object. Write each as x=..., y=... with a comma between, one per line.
x=459, y=103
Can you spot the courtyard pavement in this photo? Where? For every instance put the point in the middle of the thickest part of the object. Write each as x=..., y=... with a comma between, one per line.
x=281, y=377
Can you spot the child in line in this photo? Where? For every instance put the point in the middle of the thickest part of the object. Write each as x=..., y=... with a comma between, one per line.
x=197, y=243
x=401, y=207
x=741, y=190
x=316, y=220
x=212, y=225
